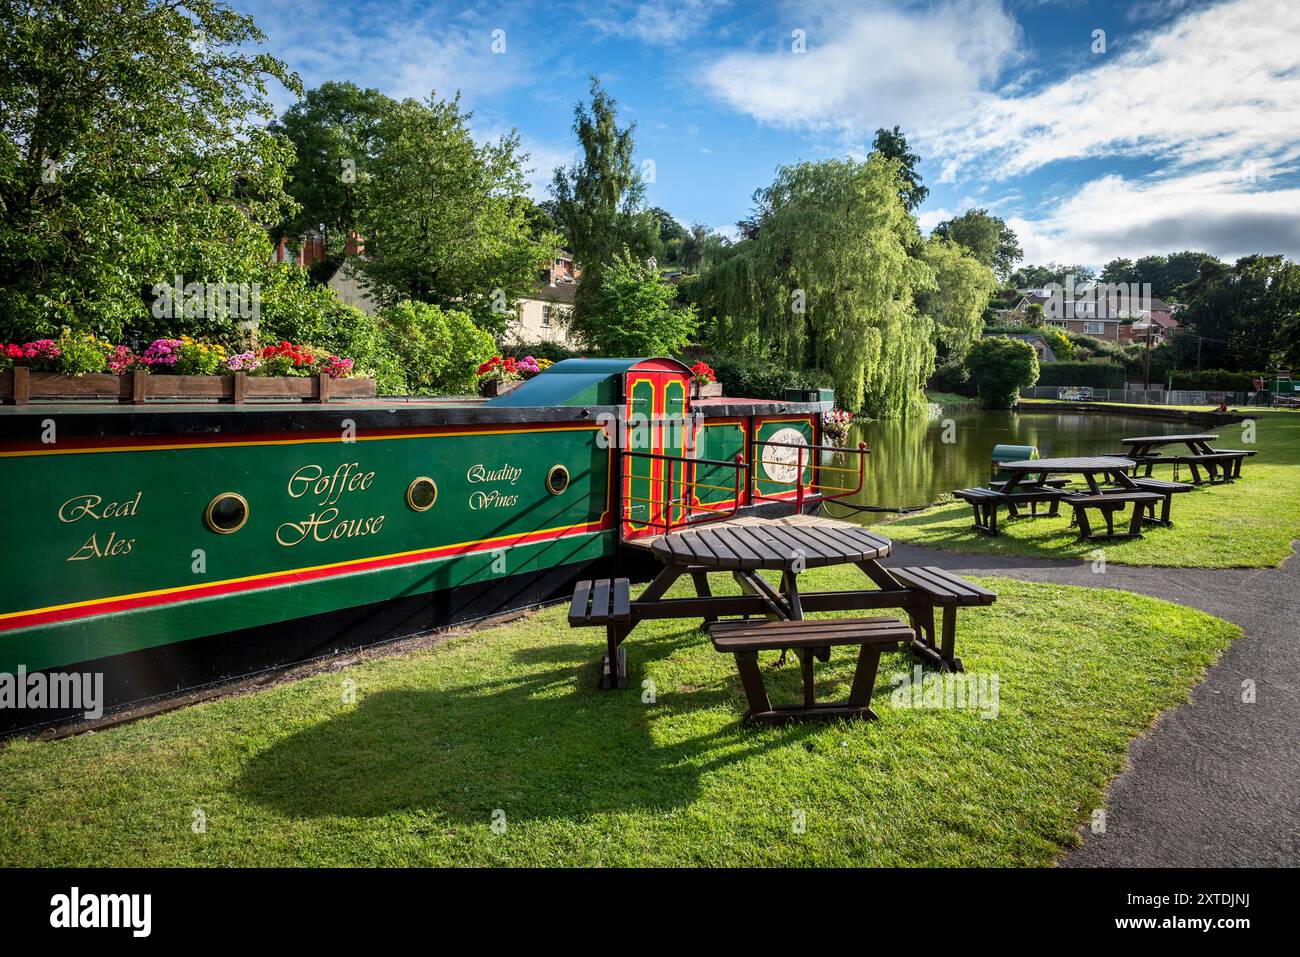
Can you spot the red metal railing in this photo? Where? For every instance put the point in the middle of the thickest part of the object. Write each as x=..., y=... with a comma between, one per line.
x=862, y=451
x=681, y=500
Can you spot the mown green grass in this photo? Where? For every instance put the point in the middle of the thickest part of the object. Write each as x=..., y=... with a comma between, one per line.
x=508, y=718
x=1249, y=523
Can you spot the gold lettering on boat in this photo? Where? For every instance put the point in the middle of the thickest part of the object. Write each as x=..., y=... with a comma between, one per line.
x=94, y=507
x=325, y=523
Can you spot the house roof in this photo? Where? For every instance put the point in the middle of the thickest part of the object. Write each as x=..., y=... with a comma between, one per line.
x=560, y=292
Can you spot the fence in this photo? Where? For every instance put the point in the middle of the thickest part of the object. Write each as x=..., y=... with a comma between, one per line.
x=1142, y=396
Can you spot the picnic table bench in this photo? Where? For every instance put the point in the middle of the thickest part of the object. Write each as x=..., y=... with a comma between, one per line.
x=743, y=548
x=1108, y=503
x=1221, y=465
x=810, y=640
x=985, y=502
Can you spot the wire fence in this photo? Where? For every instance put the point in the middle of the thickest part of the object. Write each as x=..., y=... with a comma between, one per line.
x=1142, y=396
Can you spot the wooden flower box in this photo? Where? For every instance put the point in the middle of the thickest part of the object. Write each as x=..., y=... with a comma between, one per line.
x=491, y=388
x=20, y=386
x=706, y=390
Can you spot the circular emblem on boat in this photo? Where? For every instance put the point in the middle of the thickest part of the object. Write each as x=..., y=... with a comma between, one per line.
x=557, y=479
x=779, y=461
x=421, y=494
x=226, y=514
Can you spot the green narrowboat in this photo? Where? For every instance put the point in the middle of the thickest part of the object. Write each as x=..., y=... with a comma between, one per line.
x=168, y=546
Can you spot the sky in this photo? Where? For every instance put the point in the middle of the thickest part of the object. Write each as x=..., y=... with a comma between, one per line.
x=1095, y=130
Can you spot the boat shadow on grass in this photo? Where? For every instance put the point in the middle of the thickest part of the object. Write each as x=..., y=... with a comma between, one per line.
x=540, y=743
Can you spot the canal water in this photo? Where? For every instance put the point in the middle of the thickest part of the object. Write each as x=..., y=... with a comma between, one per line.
x=910, y=463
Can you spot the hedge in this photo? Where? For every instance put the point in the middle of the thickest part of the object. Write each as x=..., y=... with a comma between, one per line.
x=752, y=380
x=1215, y=380
x=1098, y=375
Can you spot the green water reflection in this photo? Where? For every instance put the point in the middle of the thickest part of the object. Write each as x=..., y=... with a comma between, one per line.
x=910, y=464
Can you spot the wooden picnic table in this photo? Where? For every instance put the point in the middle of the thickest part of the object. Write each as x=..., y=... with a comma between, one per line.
x=744, y=547
x=1110, y=468
x=1221, y=464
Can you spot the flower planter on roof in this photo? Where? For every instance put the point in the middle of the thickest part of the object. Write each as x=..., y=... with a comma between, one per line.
x=20, y=385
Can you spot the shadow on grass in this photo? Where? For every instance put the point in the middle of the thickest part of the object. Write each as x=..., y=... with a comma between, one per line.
x=540, y=743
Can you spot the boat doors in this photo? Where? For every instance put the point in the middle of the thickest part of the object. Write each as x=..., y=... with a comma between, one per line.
x=656, y=420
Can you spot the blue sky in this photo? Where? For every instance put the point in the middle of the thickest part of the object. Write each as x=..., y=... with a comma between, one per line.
x=1183, y=132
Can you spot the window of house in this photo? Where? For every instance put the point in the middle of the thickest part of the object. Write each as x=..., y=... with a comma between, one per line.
x=1059, y=324
x=1094, y=328
x=546, y=317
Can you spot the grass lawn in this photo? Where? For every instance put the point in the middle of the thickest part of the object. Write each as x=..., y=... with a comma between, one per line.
x=508, y=718
x=1250, y=523
x=947, y=398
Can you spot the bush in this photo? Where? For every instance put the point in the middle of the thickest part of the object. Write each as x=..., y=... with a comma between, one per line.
x=632, y=313
x=438, y=351
x=555, y=351
x=1060, y=344
x=762, y=380
x=1098, y=375
x=1215, y=380
x=951, y=376
x=1001, y=368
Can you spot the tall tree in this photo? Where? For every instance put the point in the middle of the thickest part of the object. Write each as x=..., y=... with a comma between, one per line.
x=1036, y=277
x=446, y=219
x=990, y=239
x=1245, y=315
x=1118, y=271
x=132, y=148
x=334, y=130
x=892, y=144
x=598, y=198
x=962, y=286
x=827, y=282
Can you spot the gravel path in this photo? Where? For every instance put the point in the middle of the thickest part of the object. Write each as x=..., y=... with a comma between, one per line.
x=1216, y=783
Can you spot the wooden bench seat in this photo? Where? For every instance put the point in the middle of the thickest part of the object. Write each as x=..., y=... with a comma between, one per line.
x=984, y=502
x=608, y=603
x=811, y=639
x=1167, y=490
x=1108, y=503
x=1227, y=460
x=949, y=592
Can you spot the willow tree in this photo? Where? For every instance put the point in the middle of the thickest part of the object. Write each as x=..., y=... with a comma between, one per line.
x=963, y=285
x=825, y=281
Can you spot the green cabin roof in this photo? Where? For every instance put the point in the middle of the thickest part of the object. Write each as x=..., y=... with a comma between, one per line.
x=572, y=382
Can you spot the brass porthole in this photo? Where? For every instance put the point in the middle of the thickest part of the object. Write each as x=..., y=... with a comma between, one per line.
x=557, y=479
x=421, y=494
x=226, y=513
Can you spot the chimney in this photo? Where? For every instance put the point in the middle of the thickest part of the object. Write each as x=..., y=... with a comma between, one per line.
x=355, y=245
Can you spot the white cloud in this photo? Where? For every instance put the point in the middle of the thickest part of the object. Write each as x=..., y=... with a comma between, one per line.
x=1219, y=86
x=866, y=69
x=1217, y=212
x=658, y=22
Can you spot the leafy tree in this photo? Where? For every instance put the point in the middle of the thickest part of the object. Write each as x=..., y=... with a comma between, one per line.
x=1167, y=273
x=1245, y=314
x=633, y=314
x=990, y=239
x=827, y=282
x=1118, y=271
x=132, y=149
x=334, y=130
x=1000, y=368
x=702, y=247
x=1034, y=314
x=440, y=350
x=962, y=289
x=1036, y=277
x=445, y=219
x=598, y=198
x=672, y=235
x=892, y=144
